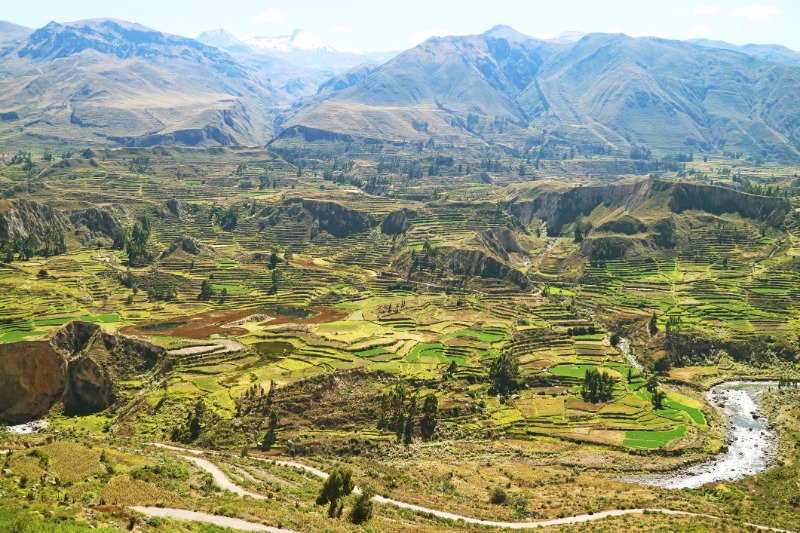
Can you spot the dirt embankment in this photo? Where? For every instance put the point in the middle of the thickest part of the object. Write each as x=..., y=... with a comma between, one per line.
x=79, y=366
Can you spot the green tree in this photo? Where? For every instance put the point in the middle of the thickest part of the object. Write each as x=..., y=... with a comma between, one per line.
x=271, y=436
x=274, y=259
x=653, y=325
x=430, y=413
x=597, y=386
x=206, y=290
x=504, y=373
x=408, y=428
x=657, y=399
x=338, y=485
x=276, y=278
x=362, y=507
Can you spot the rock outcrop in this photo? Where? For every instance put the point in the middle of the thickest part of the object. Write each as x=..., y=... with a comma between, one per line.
x=33, y=376
x=319, y=215
x=188, y=244
x=21, y=218
x=478, y=263
x=561, y=208
x=79, y=366
x=398, y=222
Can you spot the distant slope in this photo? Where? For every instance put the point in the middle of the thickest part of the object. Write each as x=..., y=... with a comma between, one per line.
x=10, y=32
x=106, y=81
x=768, y=52
x=608, y=90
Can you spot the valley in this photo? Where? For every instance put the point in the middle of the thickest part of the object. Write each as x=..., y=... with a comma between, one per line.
x=490, y=282
x=267, y=291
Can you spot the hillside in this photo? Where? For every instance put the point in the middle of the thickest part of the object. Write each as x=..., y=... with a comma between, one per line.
x=119, y=83
x=604, y=90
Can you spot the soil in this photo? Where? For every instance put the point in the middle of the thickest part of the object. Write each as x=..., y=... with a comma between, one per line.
x=203, y=325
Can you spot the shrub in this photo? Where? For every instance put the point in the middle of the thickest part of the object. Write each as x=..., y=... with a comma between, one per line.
x=498, y=496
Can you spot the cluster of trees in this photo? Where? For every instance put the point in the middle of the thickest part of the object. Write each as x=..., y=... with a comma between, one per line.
x=581, y=330
x=427, y=260
x=581, y=229
x=599, y=254
x=399, y=413
x=227, y=219
x=597, y=386
x=640, y=153
x=504, y=373
x=162, y=291
x=336, y=488
x=139, y=164
x=657, y=396
x=135, y=243
x=195, y=422
x=52, y=243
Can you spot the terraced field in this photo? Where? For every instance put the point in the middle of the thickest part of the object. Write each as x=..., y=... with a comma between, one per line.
x=274, y=290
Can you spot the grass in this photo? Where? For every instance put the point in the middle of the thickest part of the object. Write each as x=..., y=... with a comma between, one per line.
x=653, y=439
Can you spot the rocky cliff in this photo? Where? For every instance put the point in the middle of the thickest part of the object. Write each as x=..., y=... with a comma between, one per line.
x=478, y=263
x=319, y=215
x=21, y=218
x=561, y=208
x=79, y=366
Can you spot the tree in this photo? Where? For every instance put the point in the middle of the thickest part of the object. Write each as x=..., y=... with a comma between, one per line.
x=452, y=368
x=136, y=246
x=504, y=373
x=658, y=399
x=274, y=259
x=652, y=384
x=430, y=412
x=395, y=409
x=653, y=326
x=408, y=428
x=338, y=485
x=197, y=422
x=597, y=386
x=270, y=437
x=206, y=290
x=276, y=278
x=362, y=507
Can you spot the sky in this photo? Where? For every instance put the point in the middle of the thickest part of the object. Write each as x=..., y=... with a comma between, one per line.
x=375, y=25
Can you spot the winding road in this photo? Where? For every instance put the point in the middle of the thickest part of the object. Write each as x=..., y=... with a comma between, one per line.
x=225, y=482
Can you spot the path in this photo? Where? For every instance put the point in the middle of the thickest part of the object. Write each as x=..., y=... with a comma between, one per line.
x=222, y=521
x=215, y=471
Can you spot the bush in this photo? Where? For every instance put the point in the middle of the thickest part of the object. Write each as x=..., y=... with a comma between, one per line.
x=362, y=508
x=498, y=496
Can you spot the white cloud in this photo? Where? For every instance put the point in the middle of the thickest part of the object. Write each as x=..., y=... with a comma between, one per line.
x=271, y=15
x=680, y=10
x=705, y=10
x=700, y=29
x=757, y=12
x=340, y=28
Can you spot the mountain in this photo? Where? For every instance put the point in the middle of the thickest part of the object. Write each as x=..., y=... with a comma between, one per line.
x=105, y=81
x=603, y=90
x=296, y=64
x=768, y=52
x=10, y=32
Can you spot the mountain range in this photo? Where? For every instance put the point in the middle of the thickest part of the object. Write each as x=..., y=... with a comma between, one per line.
x=111, y=82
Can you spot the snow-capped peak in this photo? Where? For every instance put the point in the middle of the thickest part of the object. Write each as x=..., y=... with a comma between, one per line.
x=297, y=41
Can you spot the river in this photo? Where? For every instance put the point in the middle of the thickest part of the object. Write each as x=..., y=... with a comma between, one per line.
x=751, y=443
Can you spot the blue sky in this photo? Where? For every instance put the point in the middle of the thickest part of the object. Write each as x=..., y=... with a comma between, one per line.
x=382, y=25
